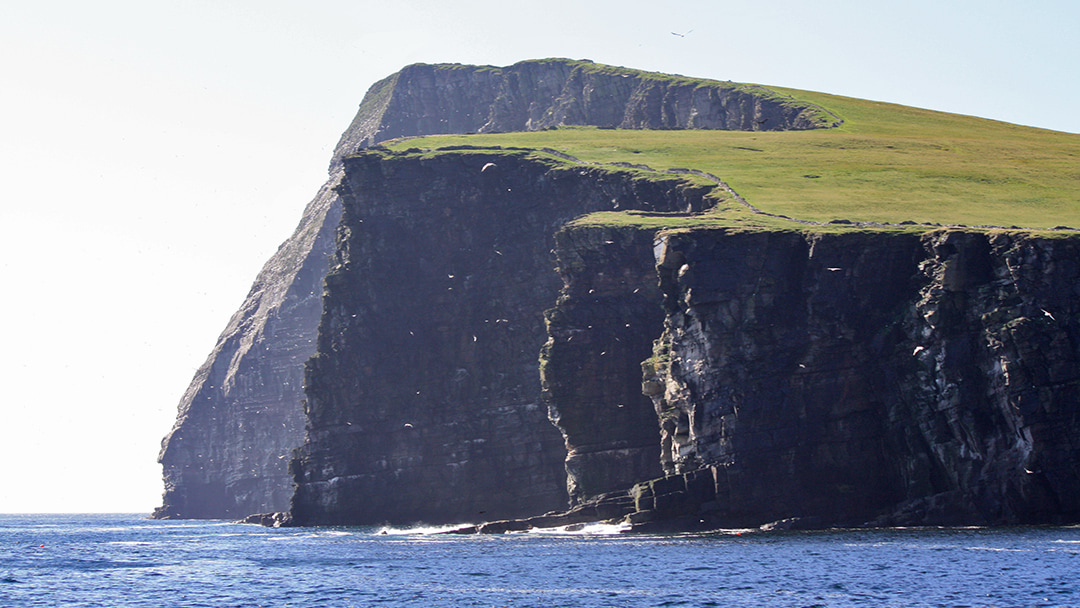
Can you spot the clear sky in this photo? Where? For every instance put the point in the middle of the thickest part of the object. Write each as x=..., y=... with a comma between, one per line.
x=154, y=153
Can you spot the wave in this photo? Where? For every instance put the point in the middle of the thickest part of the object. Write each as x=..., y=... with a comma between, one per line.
x=419, y=529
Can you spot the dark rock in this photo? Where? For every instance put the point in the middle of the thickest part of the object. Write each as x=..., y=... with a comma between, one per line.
x=228, y=453
x=611, y=507
x=270, y=520
x=887, y=378
x=599, y=331
x=709, y=378
x=538, y=95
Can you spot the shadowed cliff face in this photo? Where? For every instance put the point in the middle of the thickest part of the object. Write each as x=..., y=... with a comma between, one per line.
x=849, y=378
x=600, y=330
x=998, y=378
x=424, y=396
x=779, y=357
x=227, y=454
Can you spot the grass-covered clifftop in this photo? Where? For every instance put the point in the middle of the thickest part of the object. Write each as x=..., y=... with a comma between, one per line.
x=431, y=99
x=884, y=163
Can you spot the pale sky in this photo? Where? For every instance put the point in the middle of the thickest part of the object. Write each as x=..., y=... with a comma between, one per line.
x=153, y=154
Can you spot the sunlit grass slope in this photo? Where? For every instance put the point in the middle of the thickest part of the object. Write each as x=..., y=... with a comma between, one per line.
x=885, y=163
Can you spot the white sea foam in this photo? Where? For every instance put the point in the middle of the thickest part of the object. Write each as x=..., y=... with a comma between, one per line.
x=590, y=529
x=421, y=530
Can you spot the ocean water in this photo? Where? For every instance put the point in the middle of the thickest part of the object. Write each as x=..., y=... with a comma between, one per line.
x=125, y=560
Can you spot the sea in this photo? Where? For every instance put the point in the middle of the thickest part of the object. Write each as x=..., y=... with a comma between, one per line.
x=128, y=560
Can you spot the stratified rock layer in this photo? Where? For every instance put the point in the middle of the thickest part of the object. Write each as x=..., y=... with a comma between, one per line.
x=896, y=379
x=424, y=400
x=600, y=330
x=227, y=454
x=997, y=329
x=533, y=95
x=807, y=380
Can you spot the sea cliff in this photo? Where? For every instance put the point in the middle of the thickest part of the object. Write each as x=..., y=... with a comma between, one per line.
x=470, y=333
x=240, y=419
x=867, y=377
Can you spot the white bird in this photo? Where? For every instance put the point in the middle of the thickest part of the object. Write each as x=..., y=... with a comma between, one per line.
x=408, y=426
x=1045, y=312
x=488, y=166
x=834, y=269
x=918, y=349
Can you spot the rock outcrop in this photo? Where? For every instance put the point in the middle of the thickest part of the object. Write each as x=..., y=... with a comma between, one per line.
x=895, y=379
x=241, y=417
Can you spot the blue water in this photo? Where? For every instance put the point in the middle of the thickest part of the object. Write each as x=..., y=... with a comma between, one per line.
x=117, y=560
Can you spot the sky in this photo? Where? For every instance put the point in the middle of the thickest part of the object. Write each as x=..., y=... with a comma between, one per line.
x=155, y=153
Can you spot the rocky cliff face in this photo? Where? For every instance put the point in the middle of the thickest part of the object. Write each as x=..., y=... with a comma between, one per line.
x=600, y=330
x=867, y=377
x=227, y=454
x=533, y=95
x=241, y=416
x=424, y=397
x=996, y=330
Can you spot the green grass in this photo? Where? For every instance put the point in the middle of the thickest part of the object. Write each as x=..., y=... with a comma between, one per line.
x=885, y=163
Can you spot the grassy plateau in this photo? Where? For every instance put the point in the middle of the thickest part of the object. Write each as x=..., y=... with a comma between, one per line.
x=885, y=164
